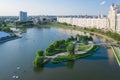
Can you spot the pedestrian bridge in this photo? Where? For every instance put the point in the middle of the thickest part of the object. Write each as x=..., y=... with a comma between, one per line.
x=106, y=44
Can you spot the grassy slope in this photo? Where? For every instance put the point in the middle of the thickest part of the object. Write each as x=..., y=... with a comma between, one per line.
x=116, y=54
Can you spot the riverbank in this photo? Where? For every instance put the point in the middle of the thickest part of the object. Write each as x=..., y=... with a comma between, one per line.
x=9, y=39
x=116, y=53
x=57, y=25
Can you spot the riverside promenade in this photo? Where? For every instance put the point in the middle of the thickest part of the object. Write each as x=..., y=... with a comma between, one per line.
x=116, y=51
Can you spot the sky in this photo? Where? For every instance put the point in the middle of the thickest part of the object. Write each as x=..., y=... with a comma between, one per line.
x=55, y=7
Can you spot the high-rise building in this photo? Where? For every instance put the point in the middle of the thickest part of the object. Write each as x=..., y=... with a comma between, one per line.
x=110, y=22
x=114, y=17
x=23, y=16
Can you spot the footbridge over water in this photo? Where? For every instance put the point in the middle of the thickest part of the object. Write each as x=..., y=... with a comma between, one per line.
x=104, y=44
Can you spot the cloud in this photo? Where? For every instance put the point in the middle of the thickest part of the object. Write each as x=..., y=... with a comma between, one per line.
x=103, y=3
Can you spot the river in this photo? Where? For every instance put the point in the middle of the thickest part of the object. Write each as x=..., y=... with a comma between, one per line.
x=102, y=65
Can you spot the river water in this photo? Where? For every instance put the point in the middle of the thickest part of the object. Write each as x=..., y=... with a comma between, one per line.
x=102, y=65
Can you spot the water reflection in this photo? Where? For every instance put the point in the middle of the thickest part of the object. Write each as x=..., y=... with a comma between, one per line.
x=99, y=55
x=70, y=64
x=110, y=56
x=39, y=69
x=50, y=65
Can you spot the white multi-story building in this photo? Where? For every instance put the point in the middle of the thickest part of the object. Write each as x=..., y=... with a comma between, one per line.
x=23, y=16
x=114, y=18
x=110, y=22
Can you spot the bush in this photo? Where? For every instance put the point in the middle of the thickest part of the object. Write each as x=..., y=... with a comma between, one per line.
x=56, y=47
x=71, y=49
x=40, y=53
x=60, y=59
x=6, y=29
x=38, y=60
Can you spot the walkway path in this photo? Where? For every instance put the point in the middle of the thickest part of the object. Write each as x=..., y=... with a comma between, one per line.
x=118, y=50
x=65, y=53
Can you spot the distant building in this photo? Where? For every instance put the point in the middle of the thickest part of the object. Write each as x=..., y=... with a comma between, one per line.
x=44, y=19
x=110, y=22
x=23, y=16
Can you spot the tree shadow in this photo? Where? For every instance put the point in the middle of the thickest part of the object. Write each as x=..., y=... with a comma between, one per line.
x=70, y=64
x=51, y=65
x=96, y=58
x=39, y=69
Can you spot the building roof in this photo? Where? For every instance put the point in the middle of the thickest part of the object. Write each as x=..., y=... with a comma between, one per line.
x=3, y=34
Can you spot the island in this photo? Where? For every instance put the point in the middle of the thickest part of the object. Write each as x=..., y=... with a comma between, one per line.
x=71, y=49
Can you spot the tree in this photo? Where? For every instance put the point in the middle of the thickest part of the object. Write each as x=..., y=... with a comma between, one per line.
x=90, y=38
x=71, y=38
x=38, y=60
x=71, y=49
x=6, y=29
x=50, y=49
x=0, y=25
x=40, y=53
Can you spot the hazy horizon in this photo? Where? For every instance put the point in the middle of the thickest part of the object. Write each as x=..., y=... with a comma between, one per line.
x=55, y=7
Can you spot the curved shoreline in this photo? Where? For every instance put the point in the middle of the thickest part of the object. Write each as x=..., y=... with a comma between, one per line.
x=116, y=55
x=9, y=39
x=66, y=54
x=77, y=28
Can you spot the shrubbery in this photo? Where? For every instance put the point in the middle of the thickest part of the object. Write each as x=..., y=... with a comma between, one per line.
x=113, y=35
x=71, y=49
x=39, y=60
x=6, y=29
x=56, y=47
x=83, y=39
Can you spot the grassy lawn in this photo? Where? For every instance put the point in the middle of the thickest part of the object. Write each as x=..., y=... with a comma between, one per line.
x=11, y=25
x=56, y=47
x=116, y=54
x=56, y=25
x=83, y=47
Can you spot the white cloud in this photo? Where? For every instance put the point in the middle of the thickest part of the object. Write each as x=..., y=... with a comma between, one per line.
x=103, y=2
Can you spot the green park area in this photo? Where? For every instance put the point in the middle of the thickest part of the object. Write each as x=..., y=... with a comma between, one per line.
x=66, y=50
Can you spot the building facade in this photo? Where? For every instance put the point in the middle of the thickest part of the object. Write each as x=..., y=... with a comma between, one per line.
x=114, y=18
x=23, y=16
x=110, y=22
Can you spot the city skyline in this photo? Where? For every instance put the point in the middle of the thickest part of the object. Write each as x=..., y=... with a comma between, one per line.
x=55, y=7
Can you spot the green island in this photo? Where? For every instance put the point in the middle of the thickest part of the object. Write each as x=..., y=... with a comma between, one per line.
x=82, y=44
x=71, y=49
